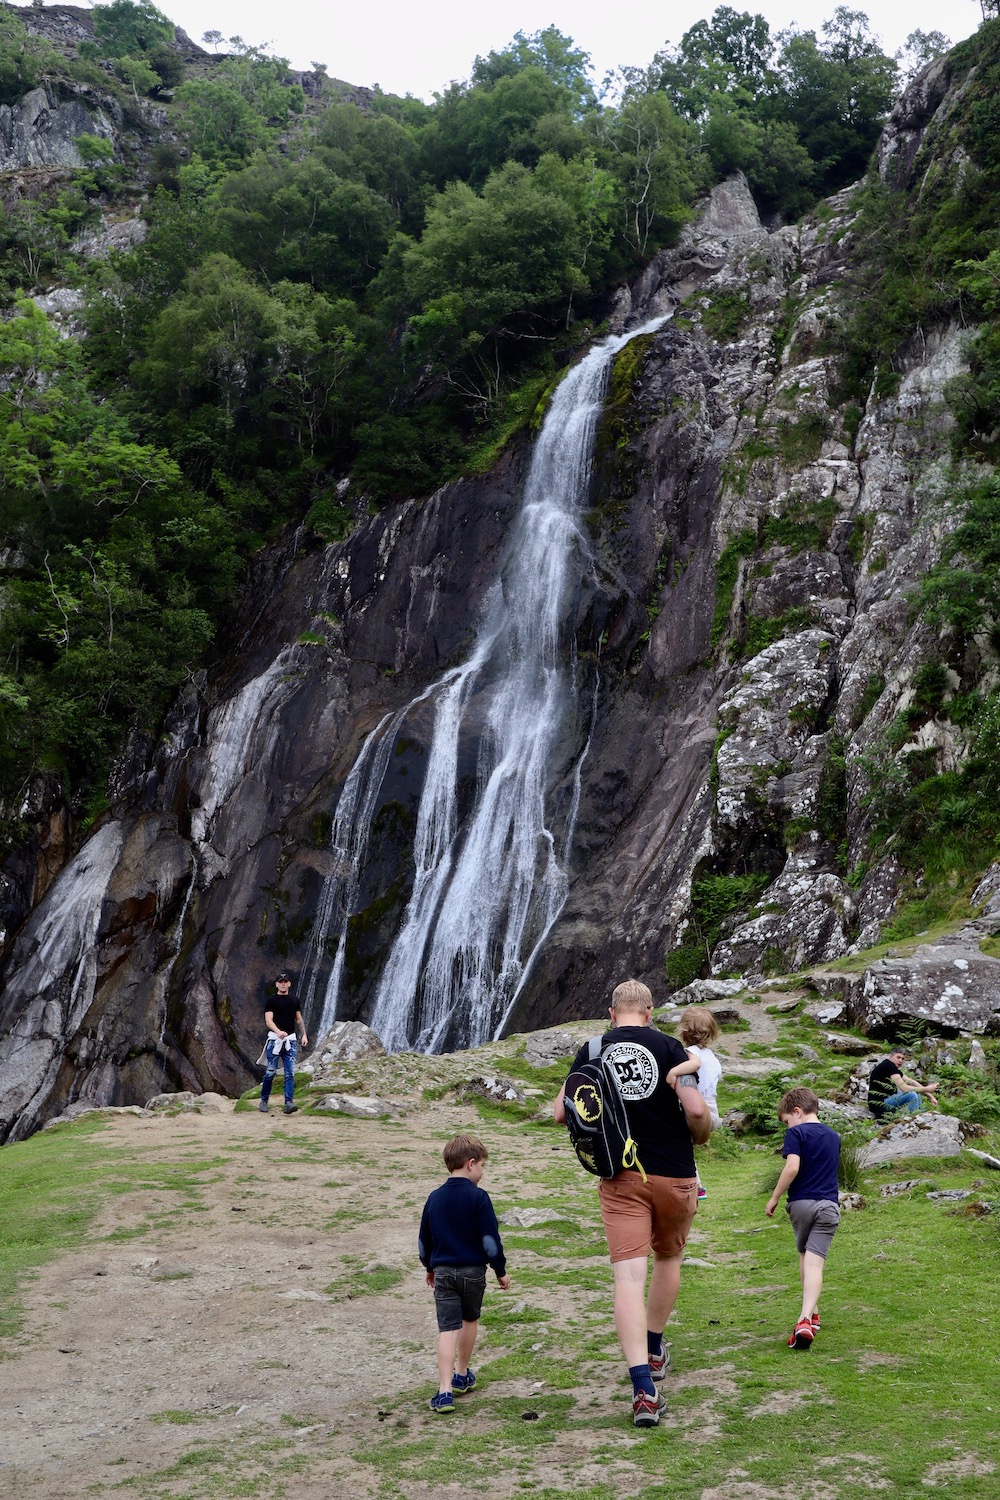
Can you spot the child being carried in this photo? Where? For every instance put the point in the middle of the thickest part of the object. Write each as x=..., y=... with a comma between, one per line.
x=699, y=1028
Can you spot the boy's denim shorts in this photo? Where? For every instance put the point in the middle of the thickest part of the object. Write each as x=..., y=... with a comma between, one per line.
x=458, y=1295
x=814, y=1221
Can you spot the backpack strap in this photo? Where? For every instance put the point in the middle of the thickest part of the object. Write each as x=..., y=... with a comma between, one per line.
x=593, y=1049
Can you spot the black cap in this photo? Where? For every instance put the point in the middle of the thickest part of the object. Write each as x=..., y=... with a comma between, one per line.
x=283, y=978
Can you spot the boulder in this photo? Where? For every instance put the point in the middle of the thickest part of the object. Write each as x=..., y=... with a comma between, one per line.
x=182, y=1098
x=346, y=1041
x=951, y=983
x=530, y=1218
x=704, y=991
x=545, y=1047
x=894, y=1189
x=823, y=1012
x=949, y=1195
x=840, y=1109
x=81, y=1107
x=492, y=1086
x=988, y=1161
x=361, y=1106
x=849, y=1046
x=987, y=893
x=928, y=1134
x=849, y=1202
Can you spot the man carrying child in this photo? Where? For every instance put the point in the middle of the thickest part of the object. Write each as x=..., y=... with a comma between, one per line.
x=648, y=1206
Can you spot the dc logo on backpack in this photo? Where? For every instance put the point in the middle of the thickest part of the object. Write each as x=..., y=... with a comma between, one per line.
x=596, y=1118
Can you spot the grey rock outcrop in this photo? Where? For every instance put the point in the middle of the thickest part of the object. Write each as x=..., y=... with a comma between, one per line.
x=42, y=130
x=920, y=1135
x=951, y=983
x=346, y=1041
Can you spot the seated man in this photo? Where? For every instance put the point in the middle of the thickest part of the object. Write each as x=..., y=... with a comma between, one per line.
x=890, y=1090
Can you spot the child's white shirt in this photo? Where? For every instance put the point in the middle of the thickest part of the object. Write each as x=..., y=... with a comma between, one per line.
x=709, y=1073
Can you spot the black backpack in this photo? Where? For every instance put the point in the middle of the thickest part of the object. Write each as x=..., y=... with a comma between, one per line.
x=596, y=1118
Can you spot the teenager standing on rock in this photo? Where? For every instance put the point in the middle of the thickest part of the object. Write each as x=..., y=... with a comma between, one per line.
x=281, y=1018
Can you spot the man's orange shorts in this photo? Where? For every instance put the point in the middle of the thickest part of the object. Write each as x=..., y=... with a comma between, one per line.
x=655, y=1214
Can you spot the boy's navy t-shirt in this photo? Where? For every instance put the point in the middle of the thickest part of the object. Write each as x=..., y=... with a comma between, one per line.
x=459, y=1228
x=818, y=1150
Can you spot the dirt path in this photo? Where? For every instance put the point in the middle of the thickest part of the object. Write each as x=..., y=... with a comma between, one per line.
x=269, y=1294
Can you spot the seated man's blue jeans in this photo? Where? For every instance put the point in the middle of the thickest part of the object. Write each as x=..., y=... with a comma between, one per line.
x=287, y=1055
x=906, y=1103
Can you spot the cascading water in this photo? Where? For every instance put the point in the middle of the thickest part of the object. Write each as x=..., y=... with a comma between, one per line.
x=490, y=868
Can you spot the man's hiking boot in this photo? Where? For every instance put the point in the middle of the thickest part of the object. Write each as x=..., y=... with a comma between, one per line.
x=802, y=1335
x=462, y=1384
x=443, y=1402
x=262, y=1106
x=291, y=1109
x=646, y=1409
x=659, y=1364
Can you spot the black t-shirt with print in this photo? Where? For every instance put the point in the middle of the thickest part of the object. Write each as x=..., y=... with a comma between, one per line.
x=284, y=1008
x=641, y=1059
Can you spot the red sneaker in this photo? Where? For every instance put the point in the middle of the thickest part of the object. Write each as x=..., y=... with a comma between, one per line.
x=802, y=1335
x=815, y=1321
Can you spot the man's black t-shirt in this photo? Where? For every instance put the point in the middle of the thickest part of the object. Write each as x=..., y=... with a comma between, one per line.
x=880, y=1084
x=641, y=1059
x=284, y=1008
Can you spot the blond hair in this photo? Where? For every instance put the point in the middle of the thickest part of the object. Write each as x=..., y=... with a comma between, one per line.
x=698, y=1027
x=463, y=1148
x=631, y=997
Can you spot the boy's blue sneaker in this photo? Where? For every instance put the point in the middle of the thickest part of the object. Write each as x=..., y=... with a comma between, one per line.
x=444, y=1401
x=461, y=1384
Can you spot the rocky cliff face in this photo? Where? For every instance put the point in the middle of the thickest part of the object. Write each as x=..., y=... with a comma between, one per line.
x=746, y=631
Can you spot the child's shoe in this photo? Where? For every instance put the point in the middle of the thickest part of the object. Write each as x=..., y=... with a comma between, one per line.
x=659, y=1363
x=461, y=1384
x=815, y=1321
x=802, y=1335
x=702, y=1191
x=443, y=1402
x=646, y=1409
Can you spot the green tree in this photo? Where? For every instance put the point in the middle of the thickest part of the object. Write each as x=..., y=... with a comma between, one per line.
x=128, y=28
x=555, y=54
x=648, y=150
x=730, y=55
x=298, y=221
x=23, y=58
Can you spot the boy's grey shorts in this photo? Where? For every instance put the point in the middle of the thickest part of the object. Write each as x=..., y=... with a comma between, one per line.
x=814, y=1221
x=458, y=1295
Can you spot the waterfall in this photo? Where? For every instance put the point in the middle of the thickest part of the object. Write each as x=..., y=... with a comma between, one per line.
x=490, y=871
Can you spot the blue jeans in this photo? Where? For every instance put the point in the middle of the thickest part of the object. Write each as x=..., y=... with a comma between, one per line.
x=905, y=1103
x=287, y=1055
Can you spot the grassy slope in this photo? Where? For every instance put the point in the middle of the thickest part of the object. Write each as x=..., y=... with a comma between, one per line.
x=901, y=1382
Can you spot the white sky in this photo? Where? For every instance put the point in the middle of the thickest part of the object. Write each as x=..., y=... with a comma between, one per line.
x=409, y=47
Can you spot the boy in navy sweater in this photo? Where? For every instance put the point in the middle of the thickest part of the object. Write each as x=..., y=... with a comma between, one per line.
x=810, y=1173
x=459, y=1234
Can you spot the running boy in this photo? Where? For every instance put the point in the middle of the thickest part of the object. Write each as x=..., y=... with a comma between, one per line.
x=812, y=1160
x=459, y=1234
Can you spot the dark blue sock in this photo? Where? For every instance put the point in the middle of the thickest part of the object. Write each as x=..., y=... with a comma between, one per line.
x=654, y=1342
x=641, y=1380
